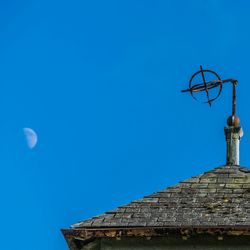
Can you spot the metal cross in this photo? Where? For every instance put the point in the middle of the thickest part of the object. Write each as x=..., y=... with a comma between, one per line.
x=206, y=86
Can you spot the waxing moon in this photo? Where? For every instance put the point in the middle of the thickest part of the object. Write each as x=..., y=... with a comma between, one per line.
x=31, y=137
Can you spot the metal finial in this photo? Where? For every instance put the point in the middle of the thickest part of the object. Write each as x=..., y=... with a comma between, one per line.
x=234, y=131
x=206, y=86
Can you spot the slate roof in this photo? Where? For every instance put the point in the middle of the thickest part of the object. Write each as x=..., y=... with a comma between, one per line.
x=217, y=198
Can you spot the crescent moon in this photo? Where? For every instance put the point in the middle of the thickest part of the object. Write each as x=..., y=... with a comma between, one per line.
x=31, y=137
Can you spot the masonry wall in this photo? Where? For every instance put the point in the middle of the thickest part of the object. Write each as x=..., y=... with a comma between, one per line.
x=171, y=243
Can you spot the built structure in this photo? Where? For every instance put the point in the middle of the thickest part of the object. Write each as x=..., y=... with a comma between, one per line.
x=208, y=211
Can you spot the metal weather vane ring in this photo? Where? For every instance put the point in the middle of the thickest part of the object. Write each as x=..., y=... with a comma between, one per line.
x=207, y=86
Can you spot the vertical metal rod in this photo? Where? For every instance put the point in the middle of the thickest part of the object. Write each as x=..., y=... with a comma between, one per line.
x=234, y=100
x=205, y=84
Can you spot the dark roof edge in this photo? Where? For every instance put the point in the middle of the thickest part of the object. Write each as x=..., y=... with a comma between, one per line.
x=86, y=233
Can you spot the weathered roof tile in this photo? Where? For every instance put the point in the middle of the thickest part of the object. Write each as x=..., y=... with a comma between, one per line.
x=220, y=197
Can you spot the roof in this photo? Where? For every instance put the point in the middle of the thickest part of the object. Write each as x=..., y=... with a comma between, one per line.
x=219, y=198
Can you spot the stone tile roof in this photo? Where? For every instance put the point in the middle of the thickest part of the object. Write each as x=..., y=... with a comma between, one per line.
x=217, y=198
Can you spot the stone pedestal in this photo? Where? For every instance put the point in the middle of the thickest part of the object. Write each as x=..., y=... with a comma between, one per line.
x=233, y=136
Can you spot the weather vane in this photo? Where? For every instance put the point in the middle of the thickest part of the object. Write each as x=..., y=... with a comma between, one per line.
x=208, y=80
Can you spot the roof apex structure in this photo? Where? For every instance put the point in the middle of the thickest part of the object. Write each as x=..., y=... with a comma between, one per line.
x=217, y=199
x=215, y=202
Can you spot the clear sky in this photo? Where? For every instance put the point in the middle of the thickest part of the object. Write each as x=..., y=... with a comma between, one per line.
x=100, y=81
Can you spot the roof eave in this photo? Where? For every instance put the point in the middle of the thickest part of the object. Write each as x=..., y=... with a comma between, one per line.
x=89, y=233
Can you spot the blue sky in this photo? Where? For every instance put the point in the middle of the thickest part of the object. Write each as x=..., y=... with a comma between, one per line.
x=100, y=81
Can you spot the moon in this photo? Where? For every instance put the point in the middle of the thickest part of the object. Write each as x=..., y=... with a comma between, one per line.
x=31, y=137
